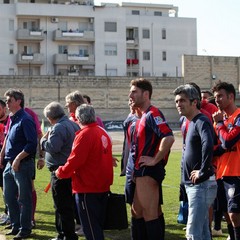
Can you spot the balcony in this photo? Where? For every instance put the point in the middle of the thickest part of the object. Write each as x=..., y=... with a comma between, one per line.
x=29, y=35
x=33, y=59
x=132, y=42
x=59, y=35
x=73, y=59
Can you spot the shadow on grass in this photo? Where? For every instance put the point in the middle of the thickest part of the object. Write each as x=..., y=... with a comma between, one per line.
x=51, y=212
x=172, y=232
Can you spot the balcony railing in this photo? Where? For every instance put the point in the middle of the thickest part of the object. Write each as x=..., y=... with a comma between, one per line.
x=34, y=59
x=132, y=41
x=86, y=35
x=30, y=35
x=74, y=59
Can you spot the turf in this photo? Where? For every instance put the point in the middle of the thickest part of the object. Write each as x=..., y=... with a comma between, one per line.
x=45, y=228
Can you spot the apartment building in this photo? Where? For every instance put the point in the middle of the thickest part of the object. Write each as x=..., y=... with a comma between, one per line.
x=78, y=38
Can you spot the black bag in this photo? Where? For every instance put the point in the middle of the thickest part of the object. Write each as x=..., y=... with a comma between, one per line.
x=116, y=212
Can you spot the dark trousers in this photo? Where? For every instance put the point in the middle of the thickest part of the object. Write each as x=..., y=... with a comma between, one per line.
x=92, y=208
x=64, y=207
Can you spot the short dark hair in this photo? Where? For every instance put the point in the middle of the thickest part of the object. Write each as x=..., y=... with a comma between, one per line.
x=17, y=94
x=143, y=84
x=88, y=98
x=207, y=91
x=228, y=87
x=197, y=88
x=2, y=103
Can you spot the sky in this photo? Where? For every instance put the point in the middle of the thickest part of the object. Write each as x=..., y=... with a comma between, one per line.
x=218, y=30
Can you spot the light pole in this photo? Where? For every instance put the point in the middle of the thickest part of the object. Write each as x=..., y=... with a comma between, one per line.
x=59, y=88
x=29, y=68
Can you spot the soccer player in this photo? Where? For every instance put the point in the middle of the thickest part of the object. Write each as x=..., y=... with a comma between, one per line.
x=153, y=140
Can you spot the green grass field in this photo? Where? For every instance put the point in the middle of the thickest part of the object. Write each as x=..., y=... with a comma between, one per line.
x=45, y=228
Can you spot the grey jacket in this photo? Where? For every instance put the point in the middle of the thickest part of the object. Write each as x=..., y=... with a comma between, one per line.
x=58, y=146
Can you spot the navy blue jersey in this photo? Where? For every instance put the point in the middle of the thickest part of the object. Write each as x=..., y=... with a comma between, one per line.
x=127, y=153
x=198, y=150
x=150, y=129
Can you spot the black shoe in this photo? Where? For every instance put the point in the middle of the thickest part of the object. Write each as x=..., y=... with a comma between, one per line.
x=22, y=236
x=12, y=232
x=8, y=226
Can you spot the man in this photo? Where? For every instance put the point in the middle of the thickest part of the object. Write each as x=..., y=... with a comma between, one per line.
x=19, y=150
x=87, y=100
x=153, y=140
x=90, y=167
x=206, y=95
x=73, y=100
x=127, y=163
x=184, y=123
x=57, y=143
x=197, y=171
x=4, y=118
x=227, y=126
x=40, y=162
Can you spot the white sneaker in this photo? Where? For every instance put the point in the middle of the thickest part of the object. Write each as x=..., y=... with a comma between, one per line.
x=228, y=238
x=3, y=217
x=216, y=233
x=79, y=232
x=77, y=227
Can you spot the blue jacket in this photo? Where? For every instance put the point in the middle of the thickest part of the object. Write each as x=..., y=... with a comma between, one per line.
x=22, y=135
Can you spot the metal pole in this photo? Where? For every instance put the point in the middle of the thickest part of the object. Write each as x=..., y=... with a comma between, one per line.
x=59, y=88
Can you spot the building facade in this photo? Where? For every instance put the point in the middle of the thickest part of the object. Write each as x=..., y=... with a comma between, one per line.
x=78, y=38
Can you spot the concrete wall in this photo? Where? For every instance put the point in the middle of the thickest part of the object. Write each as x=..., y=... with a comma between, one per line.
x=205, y=70
x=109, y=95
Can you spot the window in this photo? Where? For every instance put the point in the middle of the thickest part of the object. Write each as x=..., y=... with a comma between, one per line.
x=157, y=13
x=146, y=74
x=6, y=1
x=11, y=49
x=11, y=25
x=25, y=25
x=62, y=49
x=110, y=27
x=146, y=33
x=164, y=56
x=27, y=71
x=11, y=71
x=83, y=52
x=164, y=74
x=146, y=55
x=110, y=49
x=27, y=50
x=135, y=12
x=164, y=33
x=111, y=72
